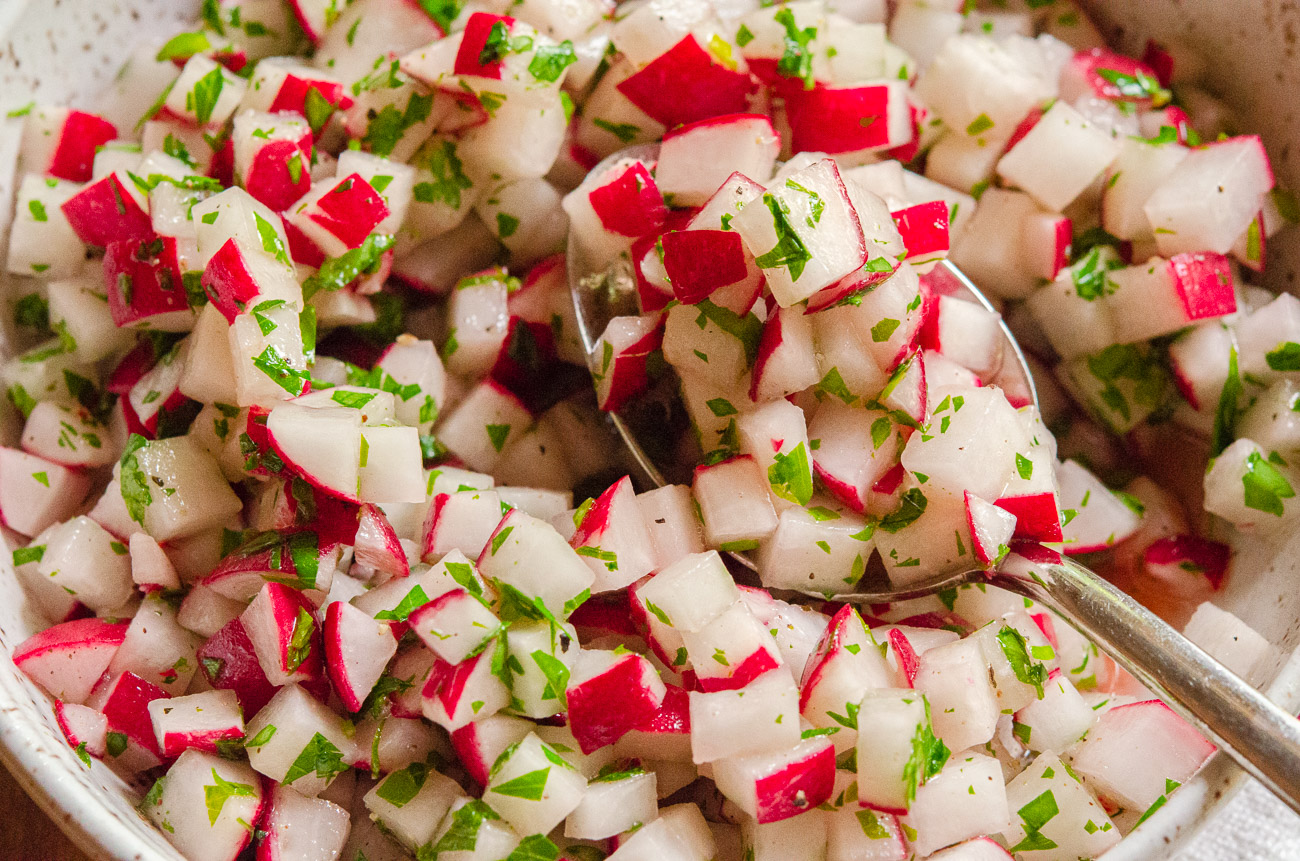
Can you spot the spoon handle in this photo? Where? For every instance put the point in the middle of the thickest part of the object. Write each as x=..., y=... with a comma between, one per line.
x=1261, y=737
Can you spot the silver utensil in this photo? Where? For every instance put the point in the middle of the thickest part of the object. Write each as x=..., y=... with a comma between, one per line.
x=1257, y=734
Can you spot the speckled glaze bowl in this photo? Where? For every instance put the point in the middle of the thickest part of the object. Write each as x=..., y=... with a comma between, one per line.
x=69, y=50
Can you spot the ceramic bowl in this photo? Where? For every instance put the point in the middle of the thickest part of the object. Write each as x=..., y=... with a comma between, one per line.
x=68, y=50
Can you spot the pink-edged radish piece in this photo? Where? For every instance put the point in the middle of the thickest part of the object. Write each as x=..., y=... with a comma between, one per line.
x=609, y=695
x=85, y=729
x=203, y=830
x=777, y=786
x=281, y=625
x=357, y=649
x=196, y=722
x=1135, y=750
x=68, y=659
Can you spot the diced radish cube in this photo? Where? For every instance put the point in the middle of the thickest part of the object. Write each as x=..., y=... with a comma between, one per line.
x=1135, y=174
x=411, y=802
x=734, y=504
x=820, y=550
x=205, y=94
x=479, y=744
x=967, y=65
x=1059, y=158
x=533, y=788
x=759, y=718
x=731, y=650
x=609, y=695
x=968, y=798
x=963, y=703
x=42, y=241
x=687, y=84
x=623, y=352
x=283, y=630
x=970, y=444
x=845, y=666
x=531, y=556
x=455, y=625
x=1051, y=805
x=81, y=557
x=1059, y=719
x=1100, y=519
x=679, y=834
x=298, y=741
x=1232, y=176
x=1134, y=752
x=203, y=804
x=300, y=827
x=1229, y=640
x=458, y=694
x=196, y=722
x=800, y=254
x=82, y=725
x=62, y=142
x=108, y=210
x=338, y=216
x=691, y=156
x=67, y=659
x=889, y=721
x=991, y=528
x=771, y=787
x=36, y=493
x=620, y=802
x=124, y=699
x=483, y=424
x=357, y=649
x=613, y=540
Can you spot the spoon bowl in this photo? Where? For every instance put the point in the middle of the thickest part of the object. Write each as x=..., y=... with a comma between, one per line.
x=1261, y=737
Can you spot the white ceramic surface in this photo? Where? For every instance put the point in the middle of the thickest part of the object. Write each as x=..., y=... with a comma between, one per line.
x=67, y=50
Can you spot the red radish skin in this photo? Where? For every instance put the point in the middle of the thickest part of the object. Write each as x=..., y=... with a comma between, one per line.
x=630, y=204
x=604, y=708
x=908, y=661
x=81, y=725
x=67, y=659
x=271, y=181
x=798, y=787
x=82, y=135
x=836, y=120
x=687, y=84
x=1204, y=283
x=229, y=281
x=1025, y=127
x=628, y=375
x=1087, y=67
x=105, y=212
x=1160, y=61
x=1047, y=624
x=301, y=248
x=1037, y=517
x=469, y=59
x=126, y=705
x=350, y=211
x=755, y=664
x=229, y=663
x=924, y=228
x=1192, y=553
x=294, y=90
x=702, y=261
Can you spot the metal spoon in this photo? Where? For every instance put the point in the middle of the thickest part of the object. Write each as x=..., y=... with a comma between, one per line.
x=1257, y=734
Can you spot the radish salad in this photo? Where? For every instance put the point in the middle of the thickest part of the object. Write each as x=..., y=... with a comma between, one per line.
x=308, y=475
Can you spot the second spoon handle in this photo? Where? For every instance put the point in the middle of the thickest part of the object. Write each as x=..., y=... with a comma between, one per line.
x=1261, y=737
